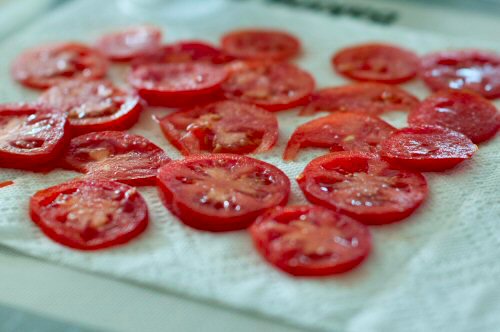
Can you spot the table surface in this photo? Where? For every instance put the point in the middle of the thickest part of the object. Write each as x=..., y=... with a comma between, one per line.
x=36, y=295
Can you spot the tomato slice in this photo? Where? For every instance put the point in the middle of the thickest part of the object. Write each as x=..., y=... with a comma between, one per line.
x=225, y=126
x=90, y=214
x=273, y=86
x=93, y=105
x=345, y=131
x=49, y=65
x=221, y=192
x=371, y=98
x=6, y=184
x=363, y=187
x=376, y=62
x=117, y=156
x=465, y=112
x=310, y=240
x=257, y=44
x=186, y=51
x=177, y=84
x=31, y=136
x=473, y=70
x=130, y=43
x=427, y=148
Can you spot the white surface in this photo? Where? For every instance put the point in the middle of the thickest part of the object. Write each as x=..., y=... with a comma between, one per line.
x=14, y=14
x=422, y=268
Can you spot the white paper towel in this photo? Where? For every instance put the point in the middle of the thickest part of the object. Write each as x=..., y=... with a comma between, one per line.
x=438, y=270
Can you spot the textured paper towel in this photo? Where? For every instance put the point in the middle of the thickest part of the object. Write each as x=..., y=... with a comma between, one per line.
x=438, y=270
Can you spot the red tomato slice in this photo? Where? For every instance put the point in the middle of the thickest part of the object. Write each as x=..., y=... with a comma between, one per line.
x=343, y=131
x=310, y=240
x=91, y=214
x=31, y=136
x=466, y=69
x=6, y=184
x=376, y=62
x=273, y=86
x=49, y=65
x=177, y=84
x=363, y=187
x=261, y=45
x=371, y=98
x=427, y=148
x=130, y=43
x=221, y=192
x=465, y=112
x=93, y=105
x=117, y=156
x=225, y=126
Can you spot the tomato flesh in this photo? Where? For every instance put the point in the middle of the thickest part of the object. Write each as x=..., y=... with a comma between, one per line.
x=117, y=156
x=221, y=192
x=310, y=240
x=90, y=214
x=370, y=98
x=465, y=112
x=376, y=63
x=226, y=126
x=345, y=131
x=363, y=187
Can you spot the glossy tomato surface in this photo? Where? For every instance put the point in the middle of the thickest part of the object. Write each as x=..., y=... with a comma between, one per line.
x=48, y=65
x=225, y=126
x=370, y=98
x=91, y=214
x=115, y=155
x=31, y=135
x=376, y=63
x=93, y=105
x=363, y=187
x=310, y=240
x=342, y=131
x=273, y=86
x=221, y=192
x=465, y=112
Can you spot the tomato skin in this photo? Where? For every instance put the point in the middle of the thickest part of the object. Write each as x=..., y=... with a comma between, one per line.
x=473, y=70
x=376, y=62
x=259, y=44
x=40, y=67
x=54, y=136
x=208, y=128
x=427, y=148
x=370, y=98
x=275, y=224
x=46, y=214
x=340, y=131
x=462, y=111
x=363, y=184
x=182, y=200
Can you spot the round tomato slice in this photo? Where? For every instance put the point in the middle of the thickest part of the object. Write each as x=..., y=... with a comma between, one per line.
x=465, y=112
x=31, y=135
x=363, y=187
x=344, y=131
x=273, y=86
x=225, y=126
x=93, y=105
x=465, y=69
x=427, y=148
x=115, y=155
x=90, y=214
x=310, y=240
x=221, y=192
x=49, y=65
x=376, y=62
x=130, y=43
x=261, y=45
x=177, y=84
x=371, y=98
